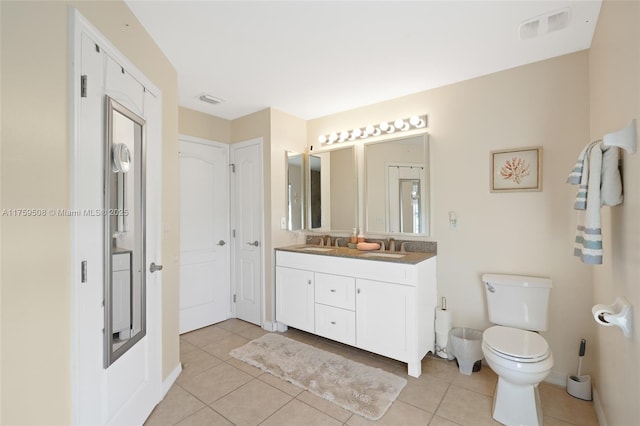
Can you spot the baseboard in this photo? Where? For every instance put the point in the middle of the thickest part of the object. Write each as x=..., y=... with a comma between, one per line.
x=170, y=380
x=597, y=405
x=270, y=326
x=557, y=378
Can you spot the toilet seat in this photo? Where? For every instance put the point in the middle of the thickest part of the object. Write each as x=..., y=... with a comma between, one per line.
x=516, y=345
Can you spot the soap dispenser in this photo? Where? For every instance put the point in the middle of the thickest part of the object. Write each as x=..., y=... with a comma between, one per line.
x=354, y=236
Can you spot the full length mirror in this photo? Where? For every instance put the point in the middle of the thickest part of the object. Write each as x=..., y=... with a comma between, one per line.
x=295, y=191
x=332, y=188
x=396, y=186
x=124, y=224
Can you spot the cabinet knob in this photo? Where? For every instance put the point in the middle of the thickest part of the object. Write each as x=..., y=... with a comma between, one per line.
x=333, y=322
x=358, y=291
x=309, y=282
x=332, y=290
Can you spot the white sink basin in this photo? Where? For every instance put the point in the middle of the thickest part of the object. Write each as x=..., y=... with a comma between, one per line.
x=376, y=254
x=317, y=249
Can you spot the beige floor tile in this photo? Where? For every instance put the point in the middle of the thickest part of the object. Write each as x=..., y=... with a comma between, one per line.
x=425, y=392
x=557, y=403
x=280, y=384
x=252, y=332
x=216, y=382
x=205, y=336
x=196, y=362
x=399, y=414
x=440, y=421
x=205, y=417
x=235, y=325
x=176, y=405
x=251, y=404
x=241, y=365
x=325, y=406
x=222, y=347
x=551, y=421
x=441, y=368
x=466, y=407
x=483, y=381
x=186, y=347
x=297, y=413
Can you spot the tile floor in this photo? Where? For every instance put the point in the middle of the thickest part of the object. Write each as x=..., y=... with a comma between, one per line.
x=215, y=389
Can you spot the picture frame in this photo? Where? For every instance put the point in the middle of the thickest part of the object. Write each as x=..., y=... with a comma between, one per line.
x=516, y=170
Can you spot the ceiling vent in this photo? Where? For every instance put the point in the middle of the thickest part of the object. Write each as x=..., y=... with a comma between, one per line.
x=211, y=99
x=543, y=24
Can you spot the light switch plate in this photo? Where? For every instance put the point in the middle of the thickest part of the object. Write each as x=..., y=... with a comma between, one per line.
x=283, y=223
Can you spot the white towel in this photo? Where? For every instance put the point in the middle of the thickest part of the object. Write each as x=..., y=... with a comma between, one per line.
x=599, y=178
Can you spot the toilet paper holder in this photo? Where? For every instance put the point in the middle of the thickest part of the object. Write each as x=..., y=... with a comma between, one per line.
x=619, y=314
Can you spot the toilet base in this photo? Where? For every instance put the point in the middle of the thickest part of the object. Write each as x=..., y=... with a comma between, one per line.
x=517, y=405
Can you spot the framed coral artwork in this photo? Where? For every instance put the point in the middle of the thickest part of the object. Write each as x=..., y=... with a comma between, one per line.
x=516, y=170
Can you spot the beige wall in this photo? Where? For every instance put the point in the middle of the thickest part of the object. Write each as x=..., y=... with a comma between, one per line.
x=544, y=104
x=205, y=126
x=36, y=281
x=614, y=68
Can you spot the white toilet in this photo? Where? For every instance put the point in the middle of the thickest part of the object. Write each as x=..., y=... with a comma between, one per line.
x=519, y=356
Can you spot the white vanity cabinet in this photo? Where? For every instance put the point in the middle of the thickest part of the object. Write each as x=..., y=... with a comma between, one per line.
x=383, y=307
x=295, y=298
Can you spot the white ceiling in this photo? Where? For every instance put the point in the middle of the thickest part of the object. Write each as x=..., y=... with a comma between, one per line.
x=314, y=58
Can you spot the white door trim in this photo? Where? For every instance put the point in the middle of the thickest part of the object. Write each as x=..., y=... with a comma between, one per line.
x=93, y=383
x=260, y=143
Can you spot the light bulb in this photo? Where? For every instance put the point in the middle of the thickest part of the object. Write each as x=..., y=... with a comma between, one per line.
x=384, y=126
x=322, y=139
x=356, y=132
x=369, y=129
x=344, y=135
x=398, y=124
x=332, y=138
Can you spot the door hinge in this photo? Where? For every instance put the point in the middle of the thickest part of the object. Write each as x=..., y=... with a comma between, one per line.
x=234, y=298
x=83, y=86
x=233, y=167
x=83, y=271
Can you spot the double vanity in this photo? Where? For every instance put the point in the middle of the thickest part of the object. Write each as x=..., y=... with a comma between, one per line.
x=382, y=302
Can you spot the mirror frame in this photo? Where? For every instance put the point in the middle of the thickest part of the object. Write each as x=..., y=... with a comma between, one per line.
x=110, y=355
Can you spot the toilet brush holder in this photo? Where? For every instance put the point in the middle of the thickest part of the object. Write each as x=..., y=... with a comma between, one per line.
x=579, y=387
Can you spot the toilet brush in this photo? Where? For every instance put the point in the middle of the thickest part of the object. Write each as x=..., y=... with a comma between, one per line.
x=579, y=386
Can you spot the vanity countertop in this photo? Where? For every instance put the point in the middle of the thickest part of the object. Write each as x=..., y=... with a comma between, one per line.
x=382, y=256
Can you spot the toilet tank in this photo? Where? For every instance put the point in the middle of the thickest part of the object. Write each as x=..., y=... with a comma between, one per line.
x=517, y=301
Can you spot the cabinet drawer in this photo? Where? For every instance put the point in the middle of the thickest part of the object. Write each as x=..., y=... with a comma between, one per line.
x=336, y=290
x=121, y=262
x=336, y=324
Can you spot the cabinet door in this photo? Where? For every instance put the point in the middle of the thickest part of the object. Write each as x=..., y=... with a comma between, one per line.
x=381, y=318
x=294, y=298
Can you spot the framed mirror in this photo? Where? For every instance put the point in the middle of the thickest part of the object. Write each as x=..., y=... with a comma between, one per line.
x=397, y=186
x=124, y=225
x=295, y=191
x=332, y=190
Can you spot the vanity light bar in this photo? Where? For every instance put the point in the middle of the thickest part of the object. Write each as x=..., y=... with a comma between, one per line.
x=400, y=125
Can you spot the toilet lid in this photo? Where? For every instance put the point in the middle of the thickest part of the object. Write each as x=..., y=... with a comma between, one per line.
x=514, y=343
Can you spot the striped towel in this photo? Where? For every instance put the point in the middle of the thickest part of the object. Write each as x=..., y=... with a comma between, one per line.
x=598, y=175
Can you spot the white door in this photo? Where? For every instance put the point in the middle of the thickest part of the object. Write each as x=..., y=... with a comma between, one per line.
x=127, y=391
x=248, y=212
x=205, y=286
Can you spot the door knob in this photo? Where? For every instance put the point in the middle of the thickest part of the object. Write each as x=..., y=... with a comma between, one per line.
x=255, y=243
x=221, y=243
x=153, y=267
